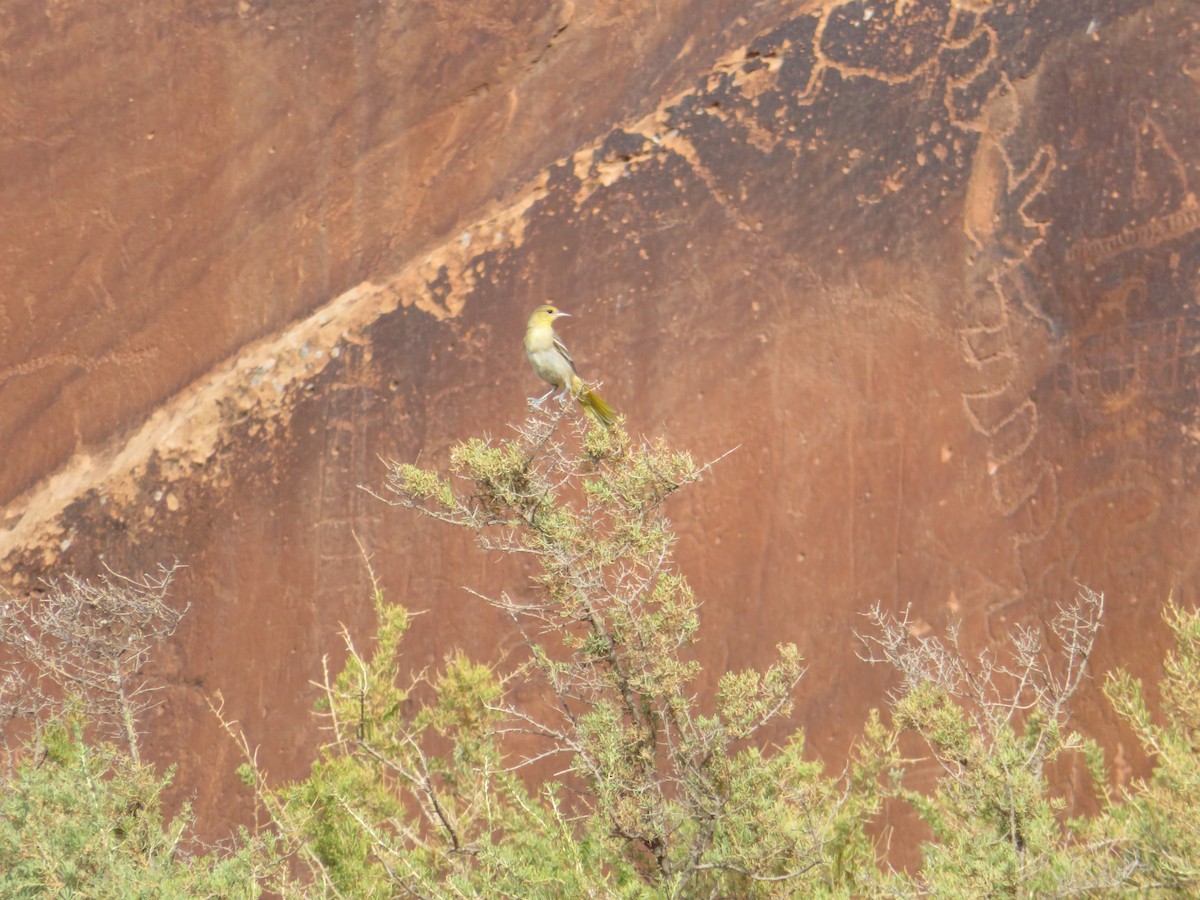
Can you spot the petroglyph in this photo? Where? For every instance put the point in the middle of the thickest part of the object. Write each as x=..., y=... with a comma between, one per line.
x=1008, y=335
x=345, y=454
x=757, y=93
x=1092, y=252
x=1129, y=361
x=1159, y=187
x=1153, y=150
x=76, y=361
x=1066, y=341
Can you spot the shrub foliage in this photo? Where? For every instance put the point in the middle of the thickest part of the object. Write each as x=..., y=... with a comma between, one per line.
x=432, y=783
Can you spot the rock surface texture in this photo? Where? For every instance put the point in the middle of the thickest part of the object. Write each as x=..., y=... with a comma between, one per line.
x=933, y=266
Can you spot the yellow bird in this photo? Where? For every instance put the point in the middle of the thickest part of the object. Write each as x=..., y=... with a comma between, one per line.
x=553, y=364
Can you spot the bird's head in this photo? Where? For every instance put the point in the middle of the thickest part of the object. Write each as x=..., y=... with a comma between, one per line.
x=545, y=314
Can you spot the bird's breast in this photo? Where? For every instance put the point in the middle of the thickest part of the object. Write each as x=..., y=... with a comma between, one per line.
x=549, y=365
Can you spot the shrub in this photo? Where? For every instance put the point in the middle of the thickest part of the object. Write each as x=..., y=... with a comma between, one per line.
x=659, y=796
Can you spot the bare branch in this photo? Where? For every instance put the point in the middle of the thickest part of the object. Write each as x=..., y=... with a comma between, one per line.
x=87, y=641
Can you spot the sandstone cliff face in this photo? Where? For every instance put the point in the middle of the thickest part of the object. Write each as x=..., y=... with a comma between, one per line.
x=934, y=266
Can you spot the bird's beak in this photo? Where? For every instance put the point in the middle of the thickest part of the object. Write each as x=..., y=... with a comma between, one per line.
x=560, y=314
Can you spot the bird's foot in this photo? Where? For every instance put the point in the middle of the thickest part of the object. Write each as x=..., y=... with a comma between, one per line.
x=542, y=399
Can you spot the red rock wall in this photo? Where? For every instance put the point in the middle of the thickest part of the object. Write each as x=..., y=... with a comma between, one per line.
x=932, y=266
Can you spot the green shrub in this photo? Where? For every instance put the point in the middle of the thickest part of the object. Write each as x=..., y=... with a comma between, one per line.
x=86, y=820
x=419, y=790
x=658, y=797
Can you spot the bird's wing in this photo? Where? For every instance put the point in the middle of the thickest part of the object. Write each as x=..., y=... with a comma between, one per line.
x=561, y=348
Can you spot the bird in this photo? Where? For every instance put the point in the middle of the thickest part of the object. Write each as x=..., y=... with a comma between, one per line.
x=553, y=364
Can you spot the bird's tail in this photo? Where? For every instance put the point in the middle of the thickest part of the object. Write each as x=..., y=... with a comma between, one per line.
x=596, y=407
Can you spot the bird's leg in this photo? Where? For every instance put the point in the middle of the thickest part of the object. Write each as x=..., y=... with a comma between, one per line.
x=541, y=399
